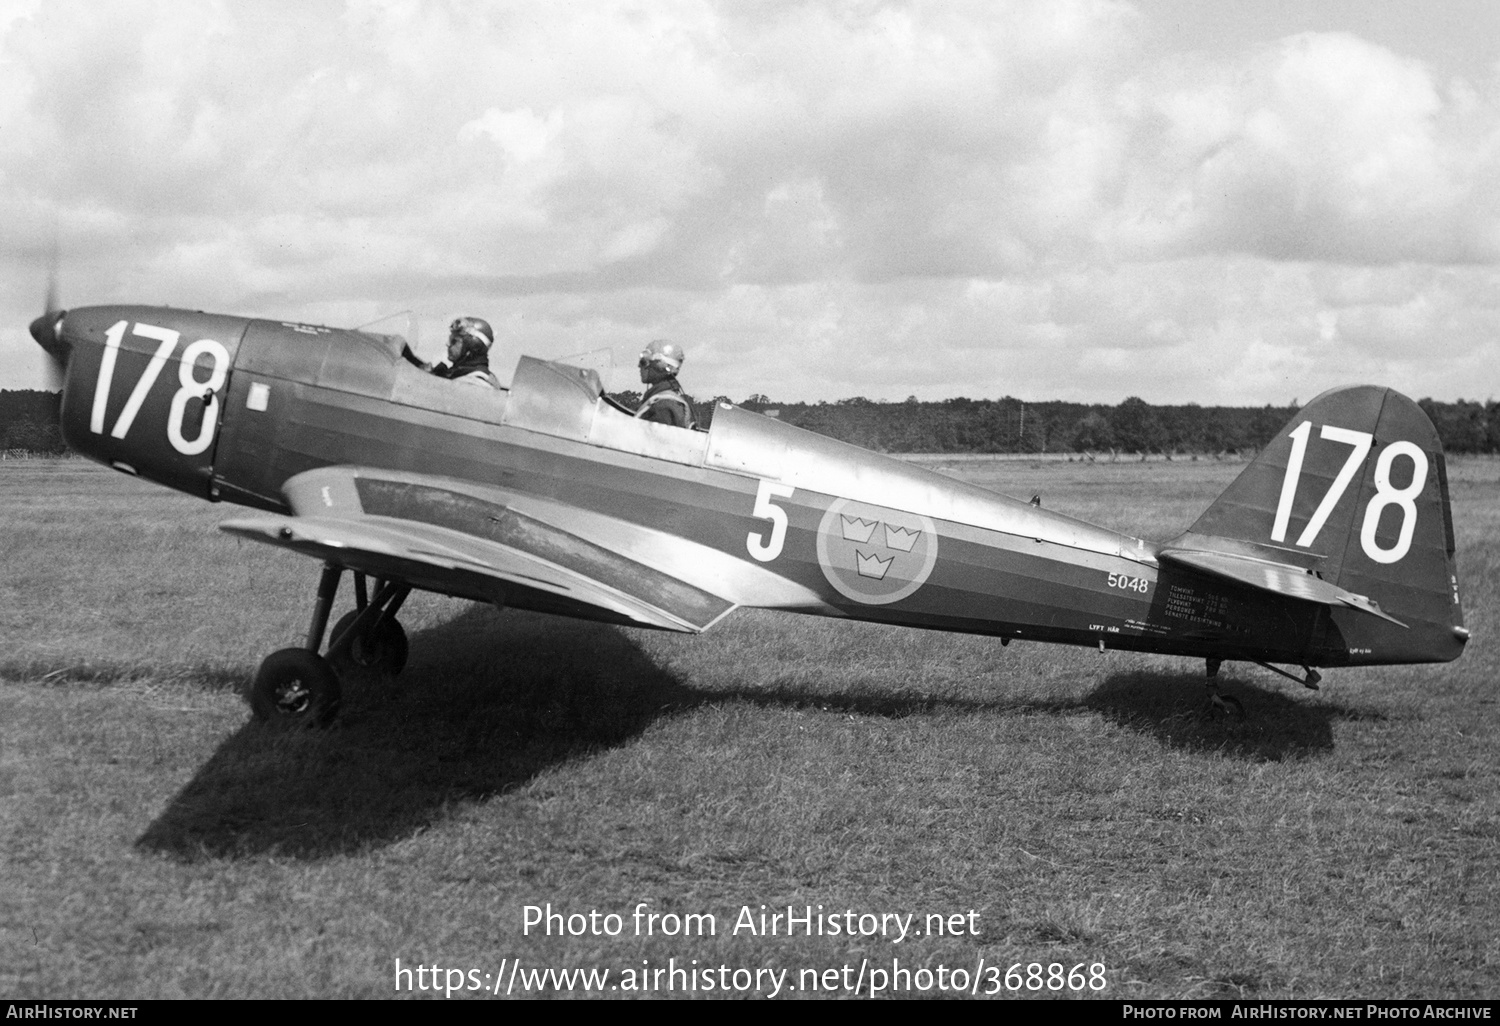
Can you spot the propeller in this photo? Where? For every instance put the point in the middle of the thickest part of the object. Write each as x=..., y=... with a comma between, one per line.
x=47, y=330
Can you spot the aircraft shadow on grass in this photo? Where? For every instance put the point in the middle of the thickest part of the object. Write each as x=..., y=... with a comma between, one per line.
x=485, y=705
x=1172, y=707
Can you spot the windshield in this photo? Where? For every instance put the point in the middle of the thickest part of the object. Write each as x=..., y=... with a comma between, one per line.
x=393, y=331
x=600, y=361
x=618, y=369
x=615, y=365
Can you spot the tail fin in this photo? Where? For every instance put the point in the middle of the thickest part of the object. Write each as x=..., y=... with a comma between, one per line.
x=1347, y=506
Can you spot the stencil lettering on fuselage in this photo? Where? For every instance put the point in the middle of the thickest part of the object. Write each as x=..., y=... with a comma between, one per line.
x=875, y=555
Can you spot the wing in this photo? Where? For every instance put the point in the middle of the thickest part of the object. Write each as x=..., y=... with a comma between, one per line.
x=459, y=538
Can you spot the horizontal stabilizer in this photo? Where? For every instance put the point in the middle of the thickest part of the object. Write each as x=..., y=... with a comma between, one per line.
x=1277, y=578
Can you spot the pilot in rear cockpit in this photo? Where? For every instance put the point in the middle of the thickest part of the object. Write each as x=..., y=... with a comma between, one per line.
x=664, y=402
x=469, y=342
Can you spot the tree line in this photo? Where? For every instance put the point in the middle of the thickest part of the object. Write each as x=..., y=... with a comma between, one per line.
x=1010, y=425
x=29, y=421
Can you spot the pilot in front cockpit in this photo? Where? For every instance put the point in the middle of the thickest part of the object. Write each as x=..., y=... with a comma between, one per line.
x=469, y=342
x=664, y=402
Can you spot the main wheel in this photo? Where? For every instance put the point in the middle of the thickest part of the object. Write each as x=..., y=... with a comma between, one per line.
x=386, y=651
x=295, y=687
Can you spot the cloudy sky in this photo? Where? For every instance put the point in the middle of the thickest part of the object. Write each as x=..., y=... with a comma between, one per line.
x=1081, y=199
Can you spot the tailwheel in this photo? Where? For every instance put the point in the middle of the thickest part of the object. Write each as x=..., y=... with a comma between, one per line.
x=1227, y=704
x=295, y=688
x=380, y=646
x=1217, y=703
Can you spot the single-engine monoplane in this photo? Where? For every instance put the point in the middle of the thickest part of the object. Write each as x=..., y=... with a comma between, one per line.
x=1334, y=547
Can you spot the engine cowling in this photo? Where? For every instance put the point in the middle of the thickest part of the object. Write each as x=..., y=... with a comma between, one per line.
x=144, y=389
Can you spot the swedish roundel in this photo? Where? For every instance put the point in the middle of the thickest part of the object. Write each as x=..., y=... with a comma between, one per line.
x=875, y=555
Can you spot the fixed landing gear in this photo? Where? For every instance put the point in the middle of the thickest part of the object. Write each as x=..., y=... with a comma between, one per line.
x=1218, y=703
x=298, y=687
x=1310, y=678
x=381, y=646
x=1229, y=704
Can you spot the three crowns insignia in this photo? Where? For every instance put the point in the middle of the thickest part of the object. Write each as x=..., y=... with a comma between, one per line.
x=861, y=531
x=857, y=530
x=897, y=538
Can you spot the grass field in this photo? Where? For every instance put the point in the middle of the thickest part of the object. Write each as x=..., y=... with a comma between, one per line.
x=155, y=842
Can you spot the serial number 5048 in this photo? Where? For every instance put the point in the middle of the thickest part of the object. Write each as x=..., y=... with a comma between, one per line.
x=1139, y=584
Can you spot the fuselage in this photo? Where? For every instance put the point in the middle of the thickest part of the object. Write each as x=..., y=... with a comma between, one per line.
x=230, y=409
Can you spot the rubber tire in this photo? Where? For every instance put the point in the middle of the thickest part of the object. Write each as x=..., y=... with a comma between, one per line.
x=387, y=653
x=295, y=688
x=1227, y=706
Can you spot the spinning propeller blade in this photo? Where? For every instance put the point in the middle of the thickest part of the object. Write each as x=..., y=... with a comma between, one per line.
x=47, y=330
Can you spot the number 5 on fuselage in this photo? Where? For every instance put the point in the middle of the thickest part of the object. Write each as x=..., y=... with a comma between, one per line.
x=766, y=547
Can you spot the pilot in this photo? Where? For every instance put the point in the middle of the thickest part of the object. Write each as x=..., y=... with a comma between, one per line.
x=664, y=402
x=469, y=342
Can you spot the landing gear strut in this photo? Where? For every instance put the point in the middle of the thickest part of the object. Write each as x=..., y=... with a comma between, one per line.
x=369, y=635
x=1216, y=702
x=298, y=687
x=1309, y=680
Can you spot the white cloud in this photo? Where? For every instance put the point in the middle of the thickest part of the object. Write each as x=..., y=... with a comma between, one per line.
x=1323, y=147
x=818, y=199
